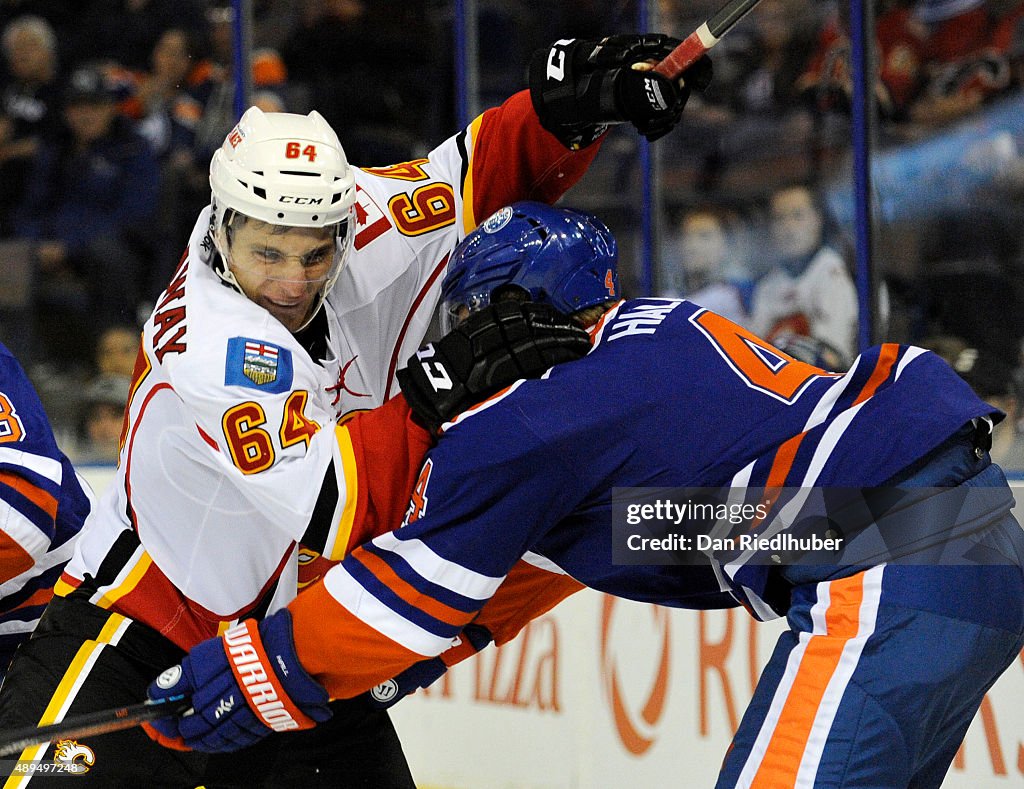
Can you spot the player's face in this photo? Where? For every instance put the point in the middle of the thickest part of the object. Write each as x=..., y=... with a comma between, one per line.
x=796, y=223
x=283, y=269
x=704, y=243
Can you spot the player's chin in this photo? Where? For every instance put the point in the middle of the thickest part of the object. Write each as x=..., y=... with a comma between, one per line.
x=292, y=317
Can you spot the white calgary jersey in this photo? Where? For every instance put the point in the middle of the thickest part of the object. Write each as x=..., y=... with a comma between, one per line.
x=230, y=437
x=823, y=295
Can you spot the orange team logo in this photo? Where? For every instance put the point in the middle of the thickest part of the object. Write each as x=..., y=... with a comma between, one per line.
x=635, y=724
x=418, y=500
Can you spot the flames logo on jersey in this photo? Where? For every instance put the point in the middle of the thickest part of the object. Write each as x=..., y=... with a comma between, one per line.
x=78, y=757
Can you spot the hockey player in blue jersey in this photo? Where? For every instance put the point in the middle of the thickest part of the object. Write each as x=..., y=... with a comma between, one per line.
x=43, y=504
x=883, y=665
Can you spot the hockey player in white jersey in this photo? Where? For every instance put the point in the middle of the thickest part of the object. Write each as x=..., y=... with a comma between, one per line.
x=242, y=472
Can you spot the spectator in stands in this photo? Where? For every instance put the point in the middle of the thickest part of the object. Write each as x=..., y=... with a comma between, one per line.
x=90, y=203
x=29, y=103
x=706, y=268
x=125, y=31
x=102, y=417
x=165, y=112
x=900, y=39
x=116, y=351
x=973, y=53
x=214, y=83
x=165, y=103
x=808, y=290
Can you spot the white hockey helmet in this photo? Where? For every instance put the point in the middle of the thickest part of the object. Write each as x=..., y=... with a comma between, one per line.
x=285, y=170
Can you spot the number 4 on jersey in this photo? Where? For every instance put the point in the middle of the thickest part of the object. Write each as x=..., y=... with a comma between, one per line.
x=418, y=500
x=760, y=365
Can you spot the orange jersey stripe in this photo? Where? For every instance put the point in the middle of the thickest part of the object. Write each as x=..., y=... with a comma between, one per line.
x=782, y=464
x=41, y=597
x=886, y=359
x=342, y=653
x=14, y=560
x=785, y=751
x=409, y=593
x=33, y=493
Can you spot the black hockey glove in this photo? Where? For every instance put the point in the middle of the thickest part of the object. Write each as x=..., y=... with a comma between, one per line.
x=579, y=88
x=490, y=350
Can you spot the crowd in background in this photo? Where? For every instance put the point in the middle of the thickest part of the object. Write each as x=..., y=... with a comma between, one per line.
x=111, y=109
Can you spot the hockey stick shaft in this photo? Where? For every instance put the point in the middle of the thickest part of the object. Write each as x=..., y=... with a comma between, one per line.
x=91, y=724
x=704, y=37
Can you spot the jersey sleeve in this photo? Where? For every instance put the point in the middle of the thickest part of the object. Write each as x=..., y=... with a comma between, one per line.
x=407, y=595
x=530, y=590
x=381, y=452
x=515, y=158
x=411, y=216
x=31, y=473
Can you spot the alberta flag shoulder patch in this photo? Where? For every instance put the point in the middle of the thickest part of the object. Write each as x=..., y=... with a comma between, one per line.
x=258, y=365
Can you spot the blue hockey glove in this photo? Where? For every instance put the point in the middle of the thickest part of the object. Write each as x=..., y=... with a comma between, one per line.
x=427, y=672
x=244, y=685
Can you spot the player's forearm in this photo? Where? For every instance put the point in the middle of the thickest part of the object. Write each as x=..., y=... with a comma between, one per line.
x=388, y=448
x=339, y=650
x=516, y=159
x=527, y=593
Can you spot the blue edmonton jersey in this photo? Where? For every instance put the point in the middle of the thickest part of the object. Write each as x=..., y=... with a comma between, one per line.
x=671, y=396
x=42, y=505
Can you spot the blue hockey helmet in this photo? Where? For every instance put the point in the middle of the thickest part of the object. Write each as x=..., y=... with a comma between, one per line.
x=558, y=256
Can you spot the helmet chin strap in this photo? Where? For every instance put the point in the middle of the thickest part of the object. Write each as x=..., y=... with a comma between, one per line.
x=219, y=262
x=223, y=270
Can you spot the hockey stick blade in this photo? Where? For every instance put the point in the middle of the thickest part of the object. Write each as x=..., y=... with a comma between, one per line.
x=92, y=723
x=704, y=37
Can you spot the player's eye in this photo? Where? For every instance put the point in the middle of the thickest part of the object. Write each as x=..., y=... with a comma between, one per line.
x=267, y=255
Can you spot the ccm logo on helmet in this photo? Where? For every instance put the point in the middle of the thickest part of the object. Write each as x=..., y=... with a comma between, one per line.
x=300, y=200
x=253, y=675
